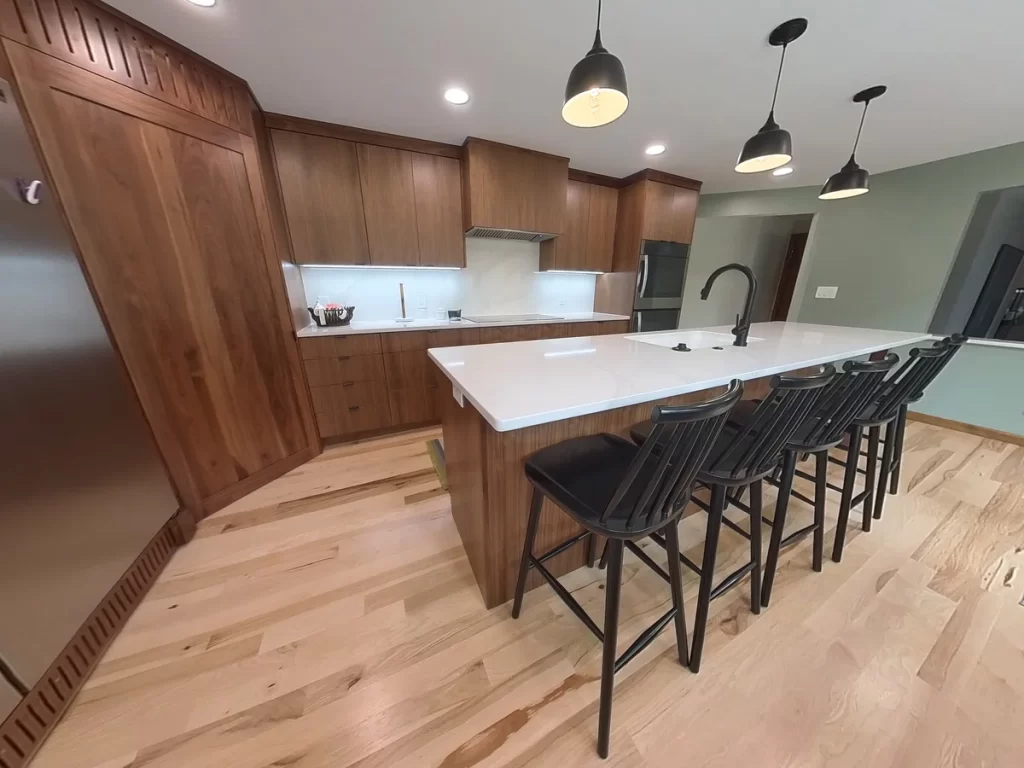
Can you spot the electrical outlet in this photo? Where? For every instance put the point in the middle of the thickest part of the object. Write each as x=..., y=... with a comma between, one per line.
x=421, y=301
x=561, y=303
x=826, y=292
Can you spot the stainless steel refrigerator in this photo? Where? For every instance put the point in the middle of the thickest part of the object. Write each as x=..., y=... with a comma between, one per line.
x=82, y=487
x=660, y=279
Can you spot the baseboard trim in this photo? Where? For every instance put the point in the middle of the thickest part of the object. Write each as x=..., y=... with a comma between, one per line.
x=970, y=429
x=24, y=731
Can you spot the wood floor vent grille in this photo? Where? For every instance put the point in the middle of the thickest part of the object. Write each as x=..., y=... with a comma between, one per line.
x=94, y=39
x=23, y=732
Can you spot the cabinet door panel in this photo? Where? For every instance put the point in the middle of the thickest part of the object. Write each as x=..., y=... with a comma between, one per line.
x=569, y=250
x=415, y=405
x=348, y=408
x=669, y=213
x=389, y=203
x=409, y=369
x=166, y=226
x=322, y=198
x=438, y=187
x=601, y=228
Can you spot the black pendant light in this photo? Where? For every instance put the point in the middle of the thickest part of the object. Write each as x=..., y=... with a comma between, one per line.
x=852, y=180
x=772, y=147
x=596, y=91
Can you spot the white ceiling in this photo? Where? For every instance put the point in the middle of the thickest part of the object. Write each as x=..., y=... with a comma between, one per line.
x=700, y=74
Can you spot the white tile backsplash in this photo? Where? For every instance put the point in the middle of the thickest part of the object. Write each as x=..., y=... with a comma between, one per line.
x=500, y=278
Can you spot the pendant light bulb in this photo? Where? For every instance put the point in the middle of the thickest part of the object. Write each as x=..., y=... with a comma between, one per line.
x=851, y=180
x=595, y=93
x=772, y=146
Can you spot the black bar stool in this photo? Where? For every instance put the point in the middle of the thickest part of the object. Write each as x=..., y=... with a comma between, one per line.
x=614, y=489
x=844, y=399
x=954, y=343
x=898, y=390
x=743, y=457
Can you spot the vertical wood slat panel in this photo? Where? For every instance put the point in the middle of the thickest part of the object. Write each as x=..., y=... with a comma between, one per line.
x=88, y=36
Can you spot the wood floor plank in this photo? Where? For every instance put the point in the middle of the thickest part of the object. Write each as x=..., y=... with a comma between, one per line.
x=331, y=619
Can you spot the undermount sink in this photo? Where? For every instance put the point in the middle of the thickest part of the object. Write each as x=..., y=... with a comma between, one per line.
x=692, y=339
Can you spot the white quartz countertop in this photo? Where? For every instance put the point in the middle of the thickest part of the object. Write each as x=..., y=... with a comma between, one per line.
x=525, y=383
x=391, y=326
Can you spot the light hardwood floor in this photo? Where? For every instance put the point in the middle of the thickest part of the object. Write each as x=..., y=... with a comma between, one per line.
x=331, y=619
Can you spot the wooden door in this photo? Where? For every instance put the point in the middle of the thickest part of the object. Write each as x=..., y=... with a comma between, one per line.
x=788, y=276
x=669, y=212
x=322, y=198
x=389, y=203
x=169, y=215
x=601, y=228
x=438, y=187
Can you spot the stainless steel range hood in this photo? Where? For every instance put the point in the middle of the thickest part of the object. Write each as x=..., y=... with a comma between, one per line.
x=508, y=234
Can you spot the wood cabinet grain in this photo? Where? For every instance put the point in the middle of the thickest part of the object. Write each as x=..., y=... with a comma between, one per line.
x=389, y=204
x=338, y=346
x=169, y=215
x=353, y=408
x=322, y=198
x=669, y=212
x=437, y=183
x=506, y=187
x=589, y=237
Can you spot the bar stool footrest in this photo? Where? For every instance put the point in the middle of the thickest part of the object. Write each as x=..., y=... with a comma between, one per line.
x=568, y=599
x=731, y=580
x=646, y=637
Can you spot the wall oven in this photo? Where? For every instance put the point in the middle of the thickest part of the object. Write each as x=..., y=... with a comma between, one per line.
x=660, y=278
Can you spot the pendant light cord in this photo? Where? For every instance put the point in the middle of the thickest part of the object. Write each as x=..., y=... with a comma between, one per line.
x=597, y=35
x=860, y=128
x=778, y=78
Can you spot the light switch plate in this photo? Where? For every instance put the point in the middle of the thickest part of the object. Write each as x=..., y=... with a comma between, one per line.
x=826, y=292
x=421, y=301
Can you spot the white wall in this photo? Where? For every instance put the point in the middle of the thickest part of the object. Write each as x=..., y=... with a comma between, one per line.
x=500, y=278
x=760, y=242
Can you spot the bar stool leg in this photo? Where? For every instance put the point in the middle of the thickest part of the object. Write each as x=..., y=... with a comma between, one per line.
x=524, y=564
x=874, y=435
x=778, y=524
x=611, y=631
x=707, y=575
x=675, y=571
x=849, y=481
x=590, y=550
x=820, y=488
x=755, y=545
x=887, y=454
x=901, y=427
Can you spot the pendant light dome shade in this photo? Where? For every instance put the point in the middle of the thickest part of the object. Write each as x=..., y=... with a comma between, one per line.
x=595, y=93
x=852, y=180
x=769, y=148
x=772, y=146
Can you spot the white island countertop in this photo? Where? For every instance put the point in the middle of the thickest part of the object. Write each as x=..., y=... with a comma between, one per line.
x=393, y=326
x=525, y=383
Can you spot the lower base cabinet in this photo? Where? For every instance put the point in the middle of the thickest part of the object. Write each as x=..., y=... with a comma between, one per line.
x=368, y=383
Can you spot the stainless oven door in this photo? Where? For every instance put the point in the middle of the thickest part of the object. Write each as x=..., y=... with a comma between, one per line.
x=662, y=271
x=655, y=320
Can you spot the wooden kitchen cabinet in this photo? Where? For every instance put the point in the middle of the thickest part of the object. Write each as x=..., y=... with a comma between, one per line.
x=323, y=200
x=589, y=238
x=389, y=204
x=437, y=182
x=669, y=213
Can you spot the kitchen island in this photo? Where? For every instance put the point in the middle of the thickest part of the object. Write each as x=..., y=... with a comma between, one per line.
x=510, y=400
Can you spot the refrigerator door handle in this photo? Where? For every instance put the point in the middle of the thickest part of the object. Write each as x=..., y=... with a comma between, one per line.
x=30, y=190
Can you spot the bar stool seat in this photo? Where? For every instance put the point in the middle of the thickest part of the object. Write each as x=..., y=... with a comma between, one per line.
x=582, y=475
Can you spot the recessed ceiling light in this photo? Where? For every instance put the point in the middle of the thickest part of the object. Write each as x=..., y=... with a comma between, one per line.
x=784, y=171
x=655, y=149
x=456, y=96
x=204, y=3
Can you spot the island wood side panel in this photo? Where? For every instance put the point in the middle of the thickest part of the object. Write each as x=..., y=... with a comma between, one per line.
x=490, y=495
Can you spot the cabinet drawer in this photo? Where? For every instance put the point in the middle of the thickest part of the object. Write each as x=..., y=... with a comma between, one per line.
x=447, y=338
x=346, y=408
x=409, y=369
x=404, y=341
x=416, y=405
x=340, y=346
x=322, y=371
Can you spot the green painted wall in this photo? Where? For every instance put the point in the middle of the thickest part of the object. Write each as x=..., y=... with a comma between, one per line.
x=890, y=252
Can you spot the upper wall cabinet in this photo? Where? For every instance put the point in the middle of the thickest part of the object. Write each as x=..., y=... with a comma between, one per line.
x=669, y=213
x=322, y=198
x=589, y=237
x=511, y=188
x=359, y=203
x=389, y=203
x=437, y=182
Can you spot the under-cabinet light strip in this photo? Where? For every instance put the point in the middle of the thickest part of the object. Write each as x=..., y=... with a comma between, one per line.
x=567, y=272
x=370, y=266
